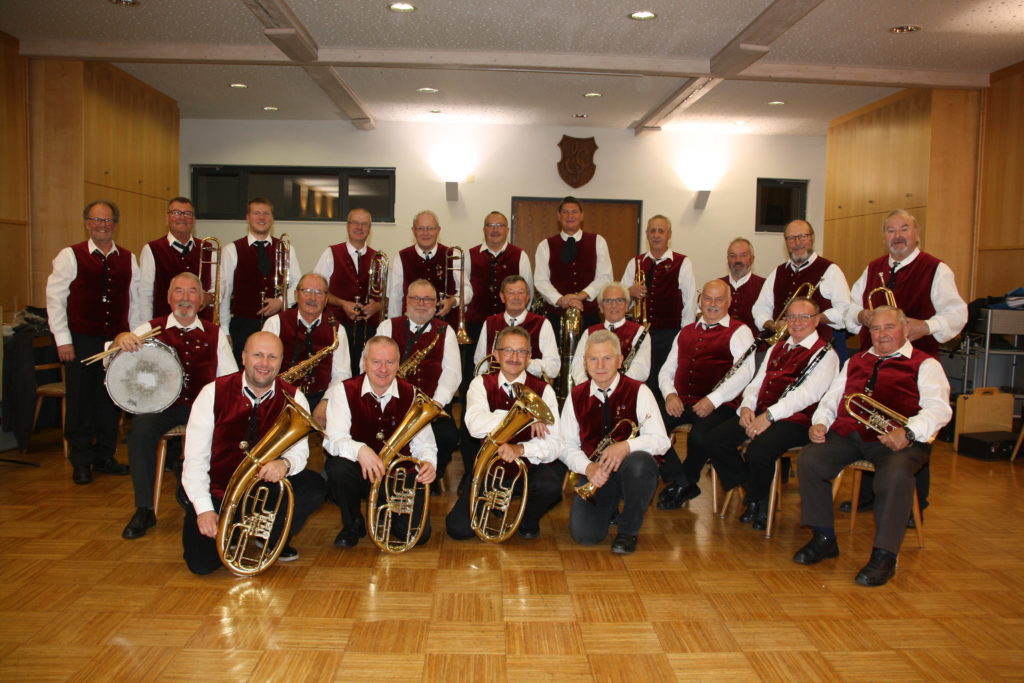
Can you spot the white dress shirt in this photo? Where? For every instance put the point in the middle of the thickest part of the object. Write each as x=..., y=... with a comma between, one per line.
x=736, y=284
x=548, y=363
x=58, y=287
x=147, y=274
x=195, y=473
x=396, y=278
x=339, y=441
x=932, y=386
x=481, y=421
x=229, y=261
x=639, y=369
x=652, y=437
x=325, y=264
x=832, y=286
x=341, y=369
x=687, y=284
x=739, y=342
x=451, y=364
x=810, y=391
x=524, y=264
x=542, y=273
x=950, y=310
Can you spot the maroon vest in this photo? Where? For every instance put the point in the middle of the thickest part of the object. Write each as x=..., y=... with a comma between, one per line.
x=344, y=283
x=783, y=369
x=786, y=282
x=169, y=263
x=250, y=286
x=369, y=425
x=913, y=291
x=96, y=307
x=415, y=267
x=743, y=299
x=626, y=332
x=572, y=277
x=429, y=370
x=293, y=337
x=531, y=323
x=231, y=410
x=895, y=388
x=497, y=399
x=590, y=412
x=487, y=275
x=197, y=352
x=664, y=300
x=704, y=358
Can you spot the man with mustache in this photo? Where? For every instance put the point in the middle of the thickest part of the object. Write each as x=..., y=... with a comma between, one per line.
x=515, y=296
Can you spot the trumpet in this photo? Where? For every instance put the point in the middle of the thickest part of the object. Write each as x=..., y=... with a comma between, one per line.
x=639, y=312
x=873, y=414
x=890, y=296
x=209, y=256
x=457, y=254
x=781, y=326
x=572, y=321
x=588, y=490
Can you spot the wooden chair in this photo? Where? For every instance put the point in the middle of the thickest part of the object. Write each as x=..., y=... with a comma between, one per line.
x=52, y=390
x=859, y=468
x=161, y=458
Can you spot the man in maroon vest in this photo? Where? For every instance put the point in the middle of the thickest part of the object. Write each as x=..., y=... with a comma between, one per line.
x=832, y=292
x=427, y=260
x=699, y=390
x=905, y=380
x=490, y=398
x=204, y=354
x=744, y=285
x=91, y=295
x=614, y=302
x=362, y=414
x=670, y=292
x=304, y=331
x=571, y=267
x=163, y=258
x=420, y=334
x=241, y=407
x=776, y=410
x=515, y=296
x=625, y=471
x=247, y=277
x=346, y=266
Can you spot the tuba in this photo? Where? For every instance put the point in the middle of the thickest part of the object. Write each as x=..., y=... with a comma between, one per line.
x=781, y=327
x=493, y=515
x=209, y=256
x=243, y=544
x=890, y=296
x=587, y=491
x=873, y=414
x=403, y=496
x=572, y=321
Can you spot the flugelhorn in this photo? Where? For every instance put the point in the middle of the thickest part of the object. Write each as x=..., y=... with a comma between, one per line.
x=398, y=496
x=890, y=296
x=873, y=414
x=243, y=544
x=587, y=491
x=457, y=254
x=781, y=326
x=494, y=514
x=209, y=256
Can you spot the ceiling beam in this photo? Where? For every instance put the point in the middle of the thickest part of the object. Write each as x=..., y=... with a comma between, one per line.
x=852, y=75
x=335, y=87
x=692, y=90
x=753, y=42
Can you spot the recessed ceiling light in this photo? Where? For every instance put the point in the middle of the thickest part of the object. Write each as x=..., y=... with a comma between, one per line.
x=591, y=94
x=906, y=28
x=237, y=85
x=126, y=3
x=579, y=116
x=642, y=15
x=402, y=7
x=426, y=90
x=435, y=111
x=776, y=103
x=269, y=108
x=740, y=123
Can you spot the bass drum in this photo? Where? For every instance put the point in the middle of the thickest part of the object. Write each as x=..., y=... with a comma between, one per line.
x=146, y=381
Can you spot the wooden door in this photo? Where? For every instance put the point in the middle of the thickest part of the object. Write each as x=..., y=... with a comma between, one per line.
x=618, y=221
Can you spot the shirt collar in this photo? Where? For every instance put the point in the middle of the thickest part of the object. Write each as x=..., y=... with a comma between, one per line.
x=906, y=351
x=269, y=239
x=656, y=259
x=302, y=320
x=616, y=326
x=905, y=262
x=265, y=397
x=93, y=247
x=173, y=322
x=594, y=391
x=391, y=391
x=565, y=236
x=413, y=326
x=724, y=322
x=809, y=341
x=352, y=249
x=433, y=250
x=519, y=318
x=171, y=239
x=736, y=284
x=810, y=259
x=521, y=379
x=485, y=248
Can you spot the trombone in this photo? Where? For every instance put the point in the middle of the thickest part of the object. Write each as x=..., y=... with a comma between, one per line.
x=890, y=296
x=457, y=254
x=209, y=256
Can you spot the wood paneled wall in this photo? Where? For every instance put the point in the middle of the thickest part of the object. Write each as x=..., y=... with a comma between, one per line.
x=915, y=150
x=96, y=133
x=1001, y=200
x=14, y=233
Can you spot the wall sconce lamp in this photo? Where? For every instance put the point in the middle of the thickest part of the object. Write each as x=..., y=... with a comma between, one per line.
x=451, y=191
x=702, y=199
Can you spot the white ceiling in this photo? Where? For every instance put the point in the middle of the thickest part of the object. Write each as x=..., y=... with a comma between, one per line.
x=529, y=62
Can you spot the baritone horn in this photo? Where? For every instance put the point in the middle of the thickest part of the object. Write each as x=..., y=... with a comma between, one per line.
x=398, y=497
x=457, y=254
x=890, y=296
x=209, y=256
x=873, y=414
x=494, y=514
x=588, y=490
x=244, y=544
x=806, y=289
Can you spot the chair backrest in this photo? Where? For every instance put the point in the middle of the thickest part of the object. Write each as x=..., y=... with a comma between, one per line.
x=43, y=343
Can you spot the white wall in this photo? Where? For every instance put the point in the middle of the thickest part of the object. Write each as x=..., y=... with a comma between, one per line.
x=506, y=161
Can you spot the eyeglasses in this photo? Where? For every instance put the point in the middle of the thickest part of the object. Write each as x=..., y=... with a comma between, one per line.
x=803, y=317
x=714, y=300
x=426, y=228
x=613, y=301
x=797, y=238
x=180, y=214
x=522, y=353
x=495, y=225
x=104, y=221
x=313, y=292
x=422, y=299
x=359, y=224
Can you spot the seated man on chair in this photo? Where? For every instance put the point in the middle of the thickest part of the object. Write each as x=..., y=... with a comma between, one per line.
x=905, y=380
x=205, y=354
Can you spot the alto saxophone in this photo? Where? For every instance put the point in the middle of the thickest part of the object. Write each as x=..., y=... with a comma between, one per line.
x=301, y=369
x=416, y=357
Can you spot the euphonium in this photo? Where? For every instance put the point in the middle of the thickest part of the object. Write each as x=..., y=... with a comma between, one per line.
x=243, y=544
x=209, y=256
x=781, y=326
x=403, y=496
x=587, y=491
x=572, y=321
x=301, y=369
x=486, y=366
x=873, y=414
x=890, y=296
x=457, y=254
x=493, y=485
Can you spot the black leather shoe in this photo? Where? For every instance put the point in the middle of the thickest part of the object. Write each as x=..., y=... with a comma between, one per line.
x=679, y=496
x=350, y=535
x=817, y=549
x=81, y=475
x=288, y=554
x=879, y=569
x=140, y=521
x=761, y=520
x=624, y=544
x=750, y=514
x=669, y=491
x=863, y=506
x=529, y=534
x=111, y=467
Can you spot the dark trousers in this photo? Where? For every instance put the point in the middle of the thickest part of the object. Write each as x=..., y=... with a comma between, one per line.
x=200, y=552
x=240, y=330
x=698, y=445
x=893, y=485
x=661, y=344
x=466, y=352
x=142, y=443
x=755, y=473
x=446, y=434
x=357, y=333
x=839, y=345
x=348, y=487
x=91, y=425
x=633, y=485
x=923, y=479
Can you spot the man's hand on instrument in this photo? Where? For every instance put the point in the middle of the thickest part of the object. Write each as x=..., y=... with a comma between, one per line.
x=896, y=440
x=759, y=425
x=447, y=303
x=613, y=456
x=817, y=433
x=271, y=307
x=349, y=308
x=509, y=452
x=703, y=407
x=864, y=317
x=274, y=471
x=370, y=464
x=66, y=353
x=597, y=474
x=674, y=405
x=568, y=301
x=207, y=299
x=638, y=291
x=370, y=309
x=320, y=413
x=127, y=341
x=425, y=473
x=207, y=523
x=538, y=430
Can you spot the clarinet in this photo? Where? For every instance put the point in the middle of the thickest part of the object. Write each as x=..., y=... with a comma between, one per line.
x=736, y=366
x=632, y=352
x=807, y=370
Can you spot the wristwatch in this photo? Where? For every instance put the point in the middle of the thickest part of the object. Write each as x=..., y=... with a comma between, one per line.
x=768, y=416
x=911, y=436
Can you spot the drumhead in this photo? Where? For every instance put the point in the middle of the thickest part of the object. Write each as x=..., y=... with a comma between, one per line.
x=146, y=381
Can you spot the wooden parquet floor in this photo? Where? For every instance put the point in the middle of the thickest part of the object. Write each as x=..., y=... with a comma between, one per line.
x=702, y=599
